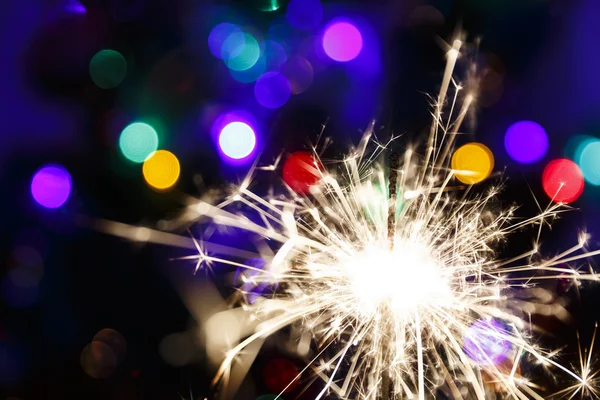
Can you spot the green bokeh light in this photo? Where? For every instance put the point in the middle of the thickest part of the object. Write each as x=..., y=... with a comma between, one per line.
x=108, y=69
x=246, y=56
x=138, y=141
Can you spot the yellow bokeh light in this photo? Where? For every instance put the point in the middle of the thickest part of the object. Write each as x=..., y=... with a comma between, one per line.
x=472, y=163
x=161, y=170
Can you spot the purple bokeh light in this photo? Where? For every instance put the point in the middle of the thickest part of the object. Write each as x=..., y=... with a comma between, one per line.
x=272, y=89
x=304, y=14
x=486, y=342
x=51, y=186
x=75, y=7
x=526, y=142
x=342, y=41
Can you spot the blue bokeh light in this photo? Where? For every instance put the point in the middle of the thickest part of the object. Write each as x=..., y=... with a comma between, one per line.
x=304, y=14
x=272, y=89
x=223, y=38
x=526, y=142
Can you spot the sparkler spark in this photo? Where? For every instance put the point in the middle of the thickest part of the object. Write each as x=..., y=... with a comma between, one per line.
x=399, y=294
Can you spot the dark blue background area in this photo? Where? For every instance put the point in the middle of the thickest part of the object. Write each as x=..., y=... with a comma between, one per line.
x=51, y=112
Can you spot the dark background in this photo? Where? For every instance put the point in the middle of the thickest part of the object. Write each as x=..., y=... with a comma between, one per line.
x=547, y=56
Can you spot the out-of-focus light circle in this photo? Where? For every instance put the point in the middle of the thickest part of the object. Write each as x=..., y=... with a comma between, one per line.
x=301, y=171
x=251, y=74
x=299, y=73
x=98, y=360
x=304, y=14
x=589, y=162
x=486, y=342
x=247, y=53
x=177, y=349
x=233, y=45
x=75, y=7
x=272, y=90
x=237, y=140
x=161, y=170
x=280, y=375
x=114, y=340
x=472, y=163
x=138, y=141
x=274, y=54
x=575, y=145
x=218, y=36
x=108, y=69
x=342, y=41
x=526, y=142
x=51, y=186
x=562, y=181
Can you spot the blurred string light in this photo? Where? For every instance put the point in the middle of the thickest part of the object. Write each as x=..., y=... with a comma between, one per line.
x=526, y=142
x=237, y=141
x=342, y=41
x=272, y=90
x=472, y=163
x=304, y=14
x=589, y=161
x=161, y=170
x=562, y=181
x=138, y=141
x=51, y=186
x=108, y=69
x=485, y=342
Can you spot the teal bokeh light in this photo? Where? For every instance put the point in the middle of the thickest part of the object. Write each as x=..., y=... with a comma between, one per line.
x=138, y=141
x=589, y=161
x=242, y=54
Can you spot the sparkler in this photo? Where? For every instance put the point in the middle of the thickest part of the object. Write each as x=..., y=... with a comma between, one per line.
x=390, y=295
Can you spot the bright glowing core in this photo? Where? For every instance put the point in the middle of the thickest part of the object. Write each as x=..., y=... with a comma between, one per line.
x=405, y=278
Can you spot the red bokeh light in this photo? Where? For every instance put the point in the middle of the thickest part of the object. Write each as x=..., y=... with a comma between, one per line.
x=301, y=171
x=278, y=374
x=562, y=181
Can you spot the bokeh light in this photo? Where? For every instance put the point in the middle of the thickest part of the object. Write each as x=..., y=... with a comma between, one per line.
x=575, y=145
x=237, y=140
x=274, y=54
x=526, y=142
x=51, y=186
x=251, y=74
x=304, y=14
x=280, y=375
x=589, y=161
x=161, y=170
x=108, y=69
x=299, y=72
x=138, y=141
x=562, y=181
x=177, y=349
x=114, y=340
x=241, y=54
x=472, y=163
x=98, y=360
x=342, y=41
x=486, y=343
x=301, y=171
x=272, y=89
x=75, y=7
x=218, y=36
